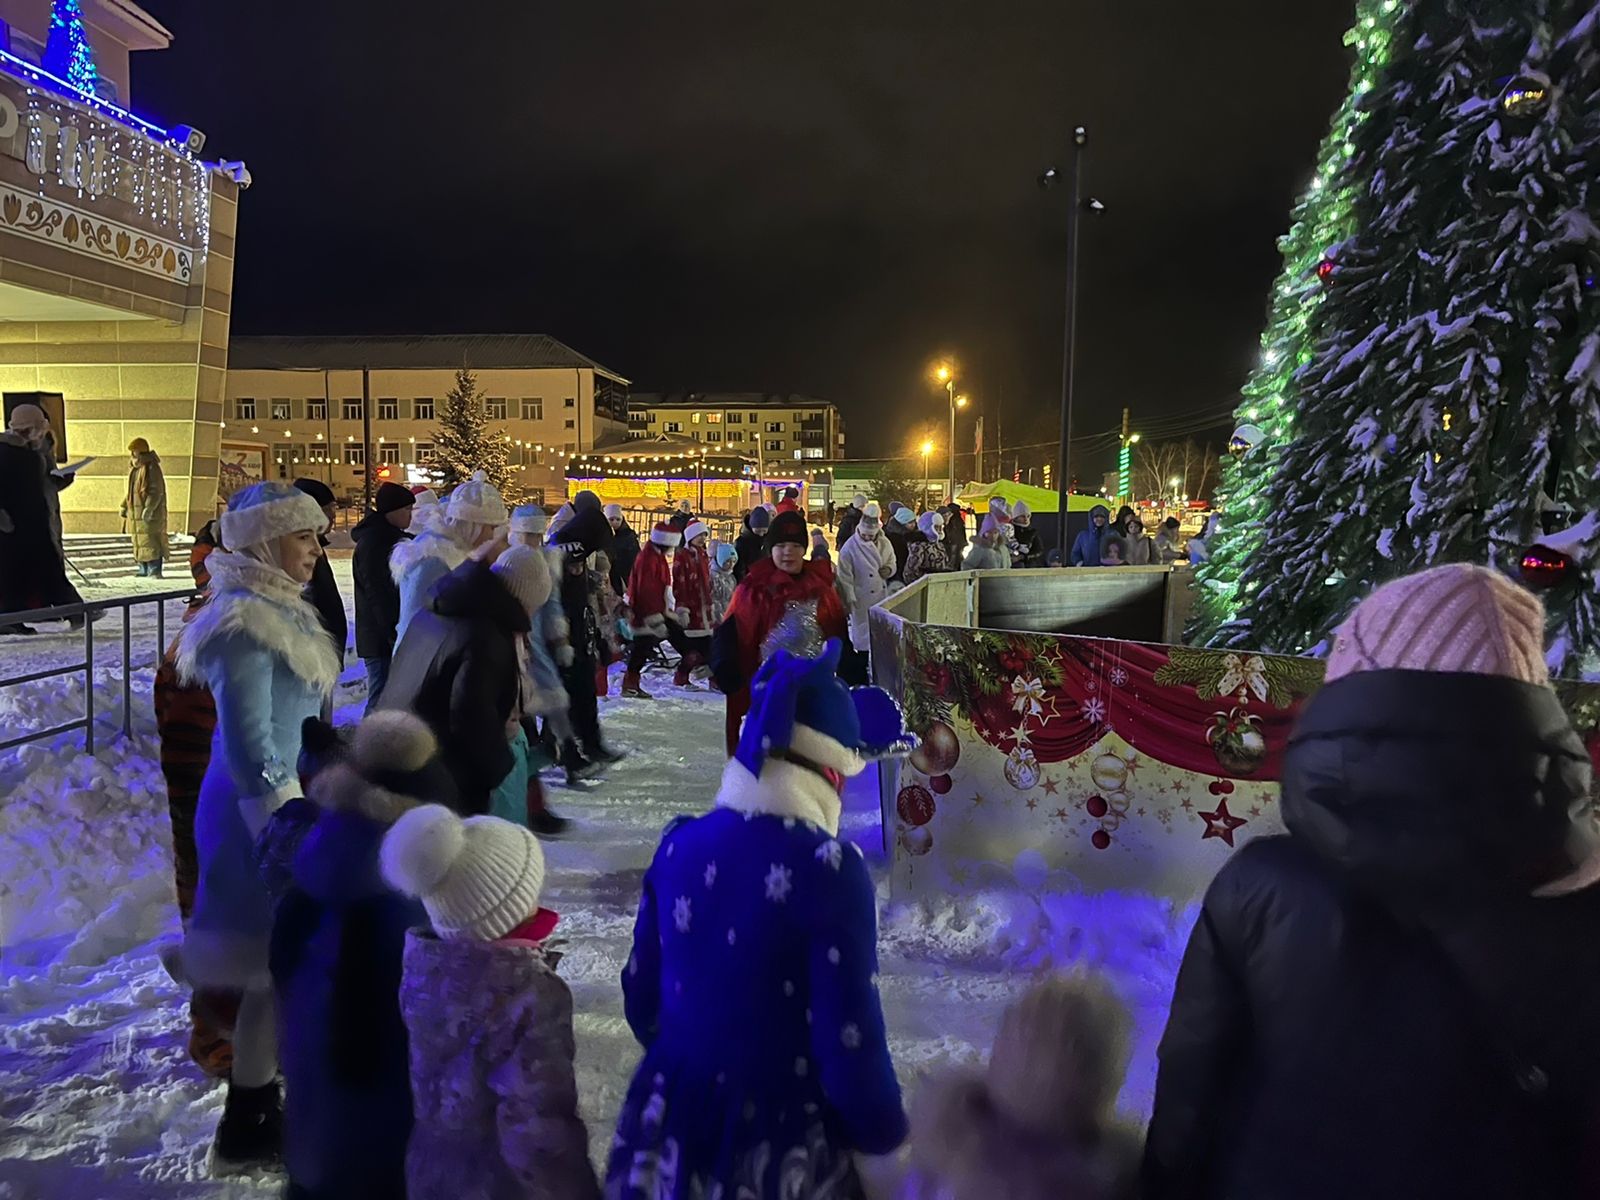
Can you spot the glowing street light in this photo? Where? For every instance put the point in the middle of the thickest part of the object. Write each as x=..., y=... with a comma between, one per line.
x=927, y=449
x=945, y=373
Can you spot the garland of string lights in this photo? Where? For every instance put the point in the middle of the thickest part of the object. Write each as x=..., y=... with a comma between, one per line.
x=1321, y=221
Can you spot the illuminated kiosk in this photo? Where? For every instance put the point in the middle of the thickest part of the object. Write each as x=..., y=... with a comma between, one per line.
x=660, y=471
x=1064, y=732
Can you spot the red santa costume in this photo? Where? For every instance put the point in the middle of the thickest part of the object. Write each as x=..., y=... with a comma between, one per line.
x=691, y=586
x=656, y=615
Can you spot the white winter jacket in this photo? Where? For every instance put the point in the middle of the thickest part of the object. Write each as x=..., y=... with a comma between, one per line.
x=863, y=579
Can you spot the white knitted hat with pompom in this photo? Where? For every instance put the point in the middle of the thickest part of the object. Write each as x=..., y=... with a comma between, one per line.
x=478, y=878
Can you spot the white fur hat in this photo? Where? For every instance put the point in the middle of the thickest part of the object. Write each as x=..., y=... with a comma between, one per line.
x=526, y=575
x=477, y=502
x=871, y=518
x=266, y=511
x=693, y=530
x=478, y=878
x=529, y=518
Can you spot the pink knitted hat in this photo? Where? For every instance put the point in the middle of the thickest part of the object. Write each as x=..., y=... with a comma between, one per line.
x=1454, y=618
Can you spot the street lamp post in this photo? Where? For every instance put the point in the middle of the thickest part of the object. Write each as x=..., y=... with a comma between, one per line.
x=927, y=449
x=1075, y=206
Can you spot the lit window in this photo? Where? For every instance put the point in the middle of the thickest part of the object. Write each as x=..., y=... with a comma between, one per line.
x=695, y=419
x=713, y=418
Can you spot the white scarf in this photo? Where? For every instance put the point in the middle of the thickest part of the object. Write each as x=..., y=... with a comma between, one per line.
x=253, y=596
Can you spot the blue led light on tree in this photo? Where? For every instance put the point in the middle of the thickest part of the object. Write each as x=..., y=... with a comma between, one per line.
x=67, y=53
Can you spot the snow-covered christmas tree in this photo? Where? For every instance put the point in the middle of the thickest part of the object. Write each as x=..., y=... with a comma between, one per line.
x=465, y=443
x=1451, y=408
x=67, y=53
x=1322, y=218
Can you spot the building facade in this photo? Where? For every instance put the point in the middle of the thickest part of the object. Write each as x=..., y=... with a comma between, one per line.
x=757, y=425
x=303, y=399
x=116, y=266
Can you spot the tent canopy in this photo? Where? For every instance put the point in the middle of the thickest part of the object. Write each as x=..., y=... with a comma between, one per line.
x=1040, y=500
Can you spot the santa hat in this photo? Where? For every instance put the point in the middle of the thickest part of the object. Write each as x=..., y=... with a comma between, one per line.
x=266, y=511
x=665, y=534
x=478, y=878
x=425, y=495
x=693, y=530
x=477, y=502
x=800, y=708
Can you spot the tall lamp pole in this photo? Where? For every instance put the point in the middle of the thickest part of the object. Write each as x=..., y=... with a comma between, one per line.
x=1075, y=206
x=927, y=449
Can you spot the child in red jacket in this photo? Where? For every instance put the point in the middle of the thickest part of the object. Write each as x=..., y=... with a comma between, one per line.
x=656, y=615
x=691, y=587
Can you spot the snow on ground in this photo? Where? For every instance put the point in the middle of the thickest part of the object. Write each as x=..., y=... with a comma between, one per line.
x=98, y=1098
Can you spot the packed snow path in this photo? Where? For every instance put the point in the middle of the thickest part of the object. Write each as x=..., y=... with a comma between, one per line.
x=98, y=1098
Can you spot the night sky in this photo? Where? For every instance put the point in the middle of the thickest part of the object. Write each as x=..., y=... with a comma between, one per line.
x=773, y=197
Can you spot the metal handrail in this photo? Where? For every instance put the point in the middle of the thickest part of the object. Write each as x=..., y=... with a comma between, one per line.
x=89, y=610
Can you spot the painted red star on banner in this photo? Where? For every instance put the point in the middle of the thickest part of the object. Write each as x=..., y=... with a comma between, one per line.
x=1222, y=823
x=1049, y=786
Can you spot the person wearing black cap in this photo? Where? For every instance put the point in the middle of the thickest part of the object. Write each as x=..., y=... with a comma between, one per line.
x=586, y=534
x=377, y=594
x=323, y=592
x=751, y=544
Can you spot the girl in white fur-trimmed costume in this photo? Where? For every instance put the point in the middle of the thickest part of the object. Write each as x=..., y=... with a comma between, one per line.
x=261, y=650
x=472, y=516
x=752, y=982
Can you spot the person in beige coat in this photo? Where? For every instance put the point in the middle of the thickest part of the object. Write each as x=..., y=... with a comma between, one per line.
x=494, y=1091
x=144, y=508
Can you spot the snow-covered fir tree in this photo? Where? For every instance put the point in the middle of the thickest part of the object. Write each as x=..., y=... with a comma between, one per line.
x=465, y=442
x=1451, y=400
x=1322, y=217
x=67, y=53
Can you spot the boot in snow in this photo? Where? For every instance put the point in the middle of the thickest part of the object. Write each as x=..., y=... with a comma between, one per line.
x=631, y=687
x=579, y=769
x=604, y=754
x=250, y=1134
x=541, y=820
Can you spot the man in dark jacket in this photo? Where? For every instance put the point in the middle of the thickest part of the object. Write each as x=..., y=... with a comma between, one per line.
x=681, y=517
x=897, y=530
x=586, y=534
x=751, y=544
x=377, y=594
x=624, y=548
x=457, y=669
x=851, y=518
x=32, y=573
x=322, y=591
x=1399, y=998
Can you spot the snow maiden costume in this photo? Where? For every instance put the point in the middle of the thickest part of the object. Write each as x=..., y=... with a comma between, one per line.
x=261, y=650
x=752, y=979
x=442, y=544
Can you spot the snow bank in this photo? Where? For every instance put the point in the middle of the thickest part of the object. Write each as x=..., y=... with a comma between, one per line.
x=85, y=843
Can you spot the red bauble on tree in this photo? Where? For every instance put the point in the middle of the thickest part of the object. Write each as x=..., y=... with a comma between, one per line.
x=1325, y=270
x=1543, y=568
x=915, y=805
x=1096, y=806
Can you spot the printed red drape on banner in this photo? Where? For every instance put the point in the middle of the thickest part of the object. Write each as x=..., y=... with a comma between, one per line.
x=1109, y=686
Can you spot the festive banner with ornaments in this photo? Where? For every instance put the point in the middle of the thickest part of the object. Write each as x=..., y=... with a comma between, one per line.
x=1126, y=765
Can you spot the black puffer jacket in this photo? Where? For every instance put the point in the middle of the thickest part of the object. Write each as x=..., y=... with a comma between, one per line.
x=456, y=668
x=377, y=594
x=1360, y=999
x=624, y=550
x=751, y=547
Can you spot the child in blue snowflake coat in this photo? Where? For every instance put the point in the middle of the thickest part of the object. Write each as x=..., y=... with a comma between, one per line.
x=752, y=982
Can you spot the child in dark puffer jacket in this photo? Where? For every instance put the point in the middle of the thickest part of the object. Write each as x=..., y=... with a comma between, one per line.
x=338, y=937
x=1038, y=1123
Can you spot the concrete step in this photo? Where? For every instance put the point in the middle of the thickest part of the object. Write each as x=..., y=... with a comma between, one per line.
x=101, y=556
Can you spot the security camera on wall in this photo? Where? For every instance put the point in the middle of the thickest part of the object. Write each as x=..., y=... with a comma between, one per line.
x=189, y=137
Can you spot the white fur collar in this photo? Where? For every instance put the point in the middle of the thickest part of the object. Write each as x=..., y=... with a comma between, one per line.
x=283, y=624
x=431, y=543
x=784, y=790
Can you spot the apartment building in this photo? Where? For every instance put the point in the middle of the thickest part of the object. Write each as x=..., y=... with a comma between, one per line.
x=756, y=424
x=304, y=398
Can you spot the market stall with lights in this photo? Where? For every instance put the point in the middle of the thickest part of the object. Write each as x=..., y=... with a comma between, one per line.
x=663, y=470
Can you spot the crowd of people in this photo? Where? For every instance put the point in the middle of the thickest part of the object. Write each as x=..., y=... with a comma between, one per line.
x=376, y=979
